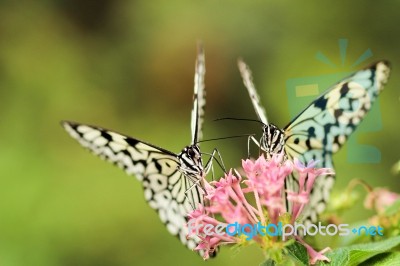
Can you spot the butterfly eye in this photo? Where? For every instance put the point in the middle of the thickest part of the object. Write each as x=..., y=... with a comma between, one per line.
x=191, y=153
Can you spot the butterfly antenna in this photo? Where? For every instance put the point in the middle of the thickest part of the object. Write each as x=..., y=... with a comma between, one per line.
x=240, y=119
x=229, y=137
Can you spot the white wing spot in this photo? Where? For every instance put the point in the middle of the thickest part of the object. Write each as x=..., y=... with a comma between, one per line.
x=83, y=129
x=117, y=137
x=100, y=141
x=158, y=182
x=148, y=194
x=172, y=229
x=91, y=135
x=117, y=146
x=163, y=215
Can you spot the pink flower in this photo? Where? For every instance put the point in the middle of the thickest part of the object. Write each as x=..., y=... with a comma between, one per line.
x=310, y=173
x=266, y=180
x=267, y=177
x=379, y=199
x=306, y=176
x=208, y=244
x=264, y=186
x=313, y=254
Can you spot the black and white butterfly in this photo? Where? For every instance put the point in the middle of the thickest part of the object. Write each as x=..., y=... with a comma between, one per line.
x=172, y=182
x=322, y=128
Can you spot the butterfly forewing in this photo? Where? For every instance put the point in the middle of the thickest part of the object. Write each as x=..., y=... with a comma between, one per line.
x=199, y=100
x=328, y=121
x=324, y=126
x=251, y=89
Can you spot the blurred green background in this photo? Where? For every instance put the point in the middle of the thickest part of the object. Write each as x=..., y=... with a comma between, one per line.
x=129, y=66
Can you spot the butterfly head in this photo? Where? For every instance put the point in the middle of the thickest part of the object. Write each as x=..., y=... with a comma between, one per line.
x=191, y=162
x=273, y=139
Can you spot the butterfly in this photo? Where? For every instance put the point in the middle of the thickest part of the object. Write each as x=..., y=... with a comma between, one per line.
x=322, y=128
x=172, y=182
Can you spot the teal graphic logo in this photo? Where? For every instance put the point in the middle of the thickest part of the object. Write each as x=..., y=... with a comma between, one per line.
x=303, y=90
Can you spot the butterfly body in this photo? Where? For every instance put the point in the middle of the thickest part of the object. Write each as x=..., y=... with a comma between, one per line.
x=273, y=139
x=191, y=164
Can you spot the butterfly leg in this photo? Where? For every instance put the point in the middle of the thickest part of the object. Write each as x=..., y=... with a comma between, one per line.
x=220, y=161
x=209, y=164
x=189, y=200
x=195, y=183
x=251, y=138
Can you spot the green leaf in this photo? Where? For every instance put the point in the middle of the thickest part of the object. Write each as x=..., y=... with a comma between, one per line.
x=298, y=253
x=384, y=259
x=356, y=254
x=285, y=262
x=268, y=262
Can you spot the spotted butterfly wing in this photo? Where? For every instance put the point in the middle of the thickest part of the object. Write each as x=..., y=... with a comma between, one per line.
x=251, y=89
x=167, y=178
x=199, y=98
x=272, y=140
x=323, y=127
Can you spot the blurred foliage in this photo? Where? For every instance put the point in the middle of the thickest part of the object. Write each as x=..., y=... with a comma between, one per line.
x=129, y=66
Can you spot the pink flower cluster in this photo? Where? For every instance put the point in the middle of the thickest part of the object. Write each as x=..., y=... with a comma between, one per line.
x=379, y=199
x=264, y=188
